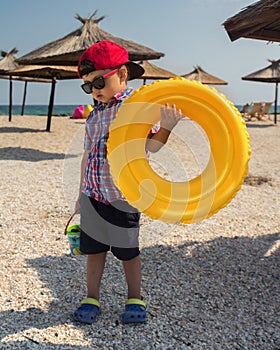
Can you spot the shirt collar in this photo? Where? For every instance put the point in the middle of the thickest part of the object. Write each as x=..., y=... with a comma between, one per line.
x=119, y=96
x=123, y=94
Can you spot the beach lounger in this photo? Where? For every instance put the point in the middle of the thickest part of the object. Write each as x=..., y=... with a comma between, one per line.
x=266, y=108
x=256, y=110
x=264, y=111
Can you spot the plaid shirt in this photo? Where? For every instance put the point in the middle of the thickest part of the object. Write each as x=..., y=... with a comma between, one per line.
x=98, y=182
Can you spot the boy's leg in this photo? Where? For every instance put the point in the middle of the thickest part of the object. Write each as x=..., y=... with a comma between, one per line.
x=135, y=308
x=89, y=309
x=132, y=269
x=95, y=268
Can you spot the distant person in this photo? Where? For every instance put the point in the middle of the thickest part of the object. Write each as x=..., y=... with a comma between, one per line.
x=245, y=108
x=105, y=69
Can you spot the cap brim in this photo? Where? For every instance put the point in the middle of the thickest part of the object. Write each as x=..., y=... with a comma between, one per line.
x=135, y=70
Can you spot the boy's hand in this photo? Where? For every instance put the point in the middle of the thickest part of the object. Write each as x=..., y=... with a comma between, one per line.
x=170, y=116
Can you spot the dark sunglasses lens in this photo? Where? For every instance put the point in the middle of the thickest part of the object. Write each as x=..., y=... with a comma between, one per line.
x=98, y=83
x=87, y=88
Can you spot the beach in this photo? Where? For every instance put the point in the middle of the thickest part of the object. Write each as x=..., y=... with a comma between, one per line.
x=210, y=285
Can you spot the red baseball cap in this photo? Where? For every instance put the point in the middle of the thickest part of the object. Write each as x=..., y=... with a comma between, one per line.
x=107, y=54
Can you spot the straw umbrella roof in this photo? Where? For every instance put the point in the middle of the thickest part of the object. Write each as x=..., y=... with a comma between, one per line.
x=46, y=72
x=8, y=62
x=205, y=78
x=269, y=74
x=260, y=20
x=24, y=78
x=67, y=50
x=154, y=72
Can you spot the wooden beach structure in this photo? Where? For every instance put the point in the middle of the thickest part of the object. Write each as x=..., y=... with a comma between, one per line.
x=51, y=74
x=7, y=65
x=260, y=20
x=269, y=74
x=201, y=75
x=153, y=72
x=66, y=51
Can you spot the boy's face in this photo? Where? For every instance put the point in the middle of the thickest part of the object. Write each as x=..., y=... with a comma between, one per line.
x=113, y=83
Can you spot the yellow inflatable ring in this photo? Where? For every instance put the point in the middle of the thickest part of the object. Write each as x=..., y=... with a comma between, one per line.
x=201, y=197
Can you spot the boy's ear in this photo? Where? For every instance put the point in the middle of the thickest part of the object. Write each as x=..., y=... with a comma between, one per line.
x=123, y=73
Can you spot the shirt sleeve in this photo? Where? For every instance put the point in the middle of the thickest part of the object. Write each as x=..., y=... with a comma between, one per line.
x=88, y=132
x=154, y=129
x=87, y=142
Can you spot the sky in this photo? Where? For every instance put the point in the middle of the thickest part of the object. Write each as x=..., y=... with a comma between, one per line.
x=188, y=32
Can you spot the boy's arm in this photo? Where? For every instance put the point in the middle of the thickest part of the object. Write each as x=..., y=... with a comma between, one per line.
x=83, y=172
x=169, y=119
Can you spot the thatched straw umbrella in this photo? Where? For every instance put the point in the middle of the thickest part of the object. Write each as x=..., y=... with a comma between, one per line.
x=205, y=78
x=260, y=20
x=8, y=64
x=269, y=74
x=67, y=50
x=47, y=72
x=52, y=73
x=153, y=72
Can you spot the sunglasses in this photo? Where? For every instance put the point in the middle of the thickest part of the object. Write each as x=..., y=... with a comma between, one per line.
x=98, y=82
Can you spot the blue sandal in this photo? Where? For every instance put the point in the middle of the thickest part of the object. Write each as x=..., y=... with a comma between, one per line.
x=135, y=311
x=88, y=311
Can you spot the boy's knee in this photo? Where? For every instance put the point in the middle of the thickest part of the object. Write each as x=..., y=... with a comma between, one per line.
x=125, y=253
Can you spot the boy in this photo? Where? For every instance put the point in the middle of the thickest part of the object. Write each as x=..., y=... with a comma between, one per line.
x=106, y=218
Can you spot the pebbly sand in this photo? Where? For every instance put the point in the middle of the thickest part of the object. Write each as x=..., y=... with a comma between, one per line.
x=212, y=285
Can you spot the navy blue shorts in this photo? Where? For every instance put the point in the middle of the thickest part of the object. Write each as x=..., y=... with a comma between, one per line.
x=102, y=225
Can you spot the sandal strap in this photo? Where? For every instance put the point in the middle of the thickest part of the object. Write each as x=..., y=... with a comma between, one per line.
x=91, y=301
x=135, y=301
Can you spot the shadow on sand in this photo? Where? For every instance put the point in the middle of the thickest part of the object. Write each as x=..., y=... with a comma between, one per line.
x=224, y=290
x=14, y=129
x=260, y=126
x=30, y=154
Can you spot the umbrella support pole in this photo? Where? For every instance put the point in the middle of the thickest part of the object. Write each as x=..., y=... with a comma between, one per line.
x=24, y=98
x=11, y=99
x=275, y=103
x=50, y=109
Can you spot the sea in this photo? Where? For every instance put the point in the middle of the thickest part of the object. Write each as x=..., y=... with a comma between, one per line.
x=40, y=110
x=63, y=110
